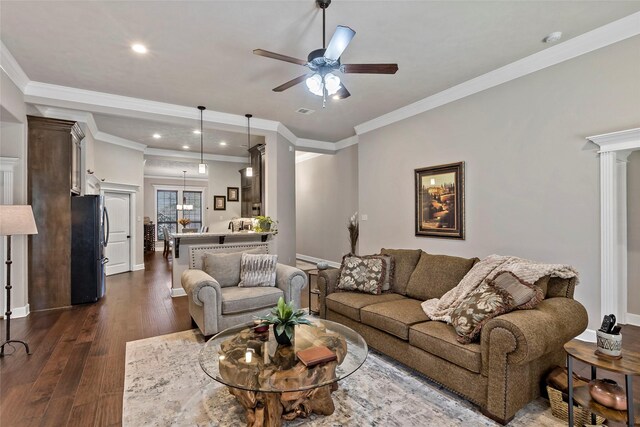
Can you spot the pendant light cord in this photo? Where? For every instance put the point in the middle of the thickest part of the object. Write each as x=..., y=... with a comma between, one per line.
x=201, y=108
x=248, y=116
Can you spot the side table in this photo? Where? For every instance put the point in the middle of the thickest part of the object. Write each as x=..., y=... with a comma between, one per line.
x=313, y=289
x=628, y=365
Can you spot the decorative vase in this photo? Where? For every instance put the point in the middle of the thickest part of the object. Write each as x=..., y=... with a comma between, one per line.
x=322, y=265
x=608, y=393
x=282, y=338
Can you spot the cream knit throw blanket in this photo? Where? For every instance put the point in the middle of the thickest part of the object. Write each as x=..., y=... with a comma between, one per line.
x=487, y=269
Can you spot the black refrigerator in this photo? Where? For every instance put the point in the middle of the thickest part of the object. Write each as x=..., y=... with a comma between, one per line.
x=89, y=237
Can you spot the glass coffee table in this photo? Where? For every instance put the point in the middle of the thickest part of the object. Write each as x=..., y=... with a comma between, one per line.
x=268, y=379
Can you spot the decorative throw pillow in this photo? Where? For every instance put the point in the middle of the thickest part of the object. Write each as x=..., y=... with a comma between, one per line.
x=482, y=305
x=361, y=274
x=258, y=270
x=405, y=261
x=387, y=284
x=225, y=267
x=435, y=275
x=525, y=296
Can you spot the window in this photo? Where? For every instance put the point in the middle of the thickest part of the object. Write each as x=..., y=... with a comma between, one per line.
x=194, y=198
x=167, y=212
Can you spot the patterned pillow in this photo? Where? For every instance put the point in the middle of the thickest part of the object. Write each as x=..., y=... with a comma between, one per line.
x=258, y=270
x=525, y=296
x=482, y=305
x=390, y=264
x=362, y=274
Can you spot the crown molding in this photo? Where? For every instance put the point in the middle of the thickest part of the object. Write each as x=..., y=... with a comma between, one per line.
x=174, y=178
x=306, y=156
x=190, y=155
x=617, y=141
x=116, y=140
x=606, y=35
x=12, y=69
x=347, y=142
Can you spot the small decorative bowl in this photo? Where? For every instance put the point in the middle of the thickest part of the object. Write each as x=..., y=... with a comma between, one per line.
x=608, y=393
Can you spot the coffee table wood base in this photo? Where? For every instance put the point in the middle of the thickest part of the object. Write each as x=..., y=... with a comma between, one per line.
x=269, y=409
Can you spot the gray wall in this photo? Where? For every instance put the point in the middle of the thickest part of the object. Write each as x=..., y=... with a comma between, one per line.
x=326, y=197
x=531, y=178
x=123, y=165
x=633, y=233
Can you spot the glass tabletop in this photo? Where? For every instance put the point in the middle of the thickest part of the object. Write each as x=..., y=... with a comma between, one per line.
x=241, y=358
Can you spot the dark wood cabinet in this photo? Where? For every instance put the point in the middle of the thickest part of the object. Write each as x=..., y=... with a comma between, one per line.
x=252, y=188
x=51, y=148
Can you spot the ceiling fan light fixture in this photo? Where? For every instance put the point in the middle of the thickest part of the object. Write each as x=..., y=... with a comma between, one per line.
x=331, y=83
x=314, y=83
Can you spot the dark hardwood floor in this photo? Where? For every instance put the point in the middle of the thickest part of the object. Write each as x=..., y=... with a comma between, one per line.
x=75, y=374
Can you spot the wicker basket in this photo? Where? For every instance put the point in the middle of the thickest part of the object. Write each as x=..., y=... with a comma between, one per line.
x=560, y=409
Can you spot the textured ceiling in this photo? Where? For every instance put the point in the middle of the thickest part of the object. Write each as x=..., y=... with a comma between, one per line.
x=200, y=53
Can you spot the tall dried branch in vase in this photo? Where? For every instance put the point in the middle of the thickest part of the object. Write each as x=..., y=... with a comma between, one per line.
x=354, y=232
x=184, y=222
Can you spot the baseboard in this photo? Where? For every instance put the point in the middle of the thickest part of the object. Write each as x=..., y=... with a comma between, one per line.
x=589, y=336
x=178, y=292
x=316, y=260
x=138, y=267
x=633, y=319
x=18, y=312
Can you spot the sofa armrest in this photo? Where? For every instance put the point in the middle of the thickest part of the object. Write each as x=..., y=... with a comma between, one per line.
x=291, y=280
x=534, y=333
x=327, y=283
x=195, y=281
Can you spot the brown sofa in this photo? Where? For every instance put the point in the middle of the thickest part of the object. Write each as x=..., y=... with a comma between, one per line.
x=501, y=373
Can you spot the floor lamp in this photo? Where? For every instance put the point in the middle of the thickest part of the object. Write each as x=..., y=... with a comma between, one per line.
x=14, y=220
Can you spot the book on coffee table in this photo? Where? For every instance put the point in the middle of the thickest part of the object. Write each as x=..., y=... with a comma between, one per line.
x=315, y=355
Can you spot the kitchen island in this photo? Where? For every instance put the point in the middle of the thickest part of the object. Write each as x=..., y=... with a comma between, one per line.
x=189, y=247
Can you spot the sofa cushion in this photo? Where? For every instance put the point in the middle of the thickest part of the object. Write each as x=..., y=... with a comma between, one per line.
x=435, y=275
x=349, y=303
x=405, y=261
x=439, y=339
x=394, y=317
x=362, y=274
x=225, y=267
x=238, y=300
x=525, y=296
x=258, y=270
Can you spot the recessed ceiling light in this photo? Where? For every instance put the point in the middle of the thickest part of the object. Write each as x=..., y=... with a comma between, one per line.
x=336, y=97
x=139, y=48
x=157, y=136
x=197, y=132
x=223, y=143
x=553, y=37
x=186, y=147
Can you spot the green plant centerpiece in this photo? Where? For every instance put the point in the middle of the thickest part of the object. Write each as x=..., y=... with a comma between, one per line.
x=266, y=224
x=284, y=318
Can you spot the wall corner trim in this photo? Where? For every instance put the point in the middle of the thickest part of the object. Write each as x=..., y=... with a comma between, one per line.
x=606, y=35
x=20, y=311
x=12, y=69
x=633, y=319
x=315, y=260
x=138, y=267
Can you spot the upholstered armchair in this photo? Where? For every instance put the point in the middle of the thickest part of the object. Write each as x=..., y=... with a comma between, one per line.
x=214, y=306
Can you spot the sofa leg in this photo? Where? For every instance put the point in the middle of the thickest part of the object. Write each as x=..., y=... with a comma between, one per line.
x=495, y=418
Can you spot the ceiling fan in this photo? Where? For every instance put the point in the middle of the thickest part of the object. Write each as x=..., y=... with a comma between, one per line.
x=323, y=63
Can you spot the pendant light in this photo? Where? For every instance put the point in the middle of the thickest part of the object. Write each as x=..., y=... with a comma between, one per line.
x=249, y=170
x=202, y=167
x=184, y=206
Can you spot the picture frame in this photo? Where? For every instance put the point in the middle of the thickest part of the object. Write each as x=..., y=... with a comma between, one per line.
x=233, y=194
x=439, y=201
x=219, y=203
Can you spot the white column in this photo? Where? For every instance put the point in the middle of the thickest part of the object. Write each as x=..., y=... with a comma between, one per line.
x=609, y=290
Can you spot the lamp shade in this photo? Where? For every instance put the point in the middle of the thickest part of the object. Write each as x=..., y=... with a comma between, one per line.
x=16, y=220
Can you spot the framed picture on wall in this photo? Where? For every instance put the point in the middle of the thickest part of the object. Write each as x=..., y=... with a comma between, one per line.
x=233, y=194
x=219, y=203
x=440, y=201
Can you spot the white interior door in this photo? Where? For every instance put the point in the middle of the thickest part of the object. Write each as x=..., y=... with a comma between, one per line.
x=118, y=248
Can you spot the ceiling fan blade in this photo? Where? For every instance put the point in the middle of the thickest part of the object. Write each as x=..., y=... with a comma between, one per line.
x=370, y=68
x=279, y=57
x=339, y=42
x=290, y=83
x=342, y=93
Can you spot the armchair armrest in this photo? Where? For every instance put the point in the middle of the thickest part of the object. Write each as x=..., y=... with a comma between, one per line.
x=534, y=333
x=291, y=280
x=195, y=283
x=327, y=283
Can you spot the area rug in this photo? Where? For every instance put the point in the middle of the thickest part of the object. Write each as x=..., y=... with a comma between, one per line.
x=165, y=386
